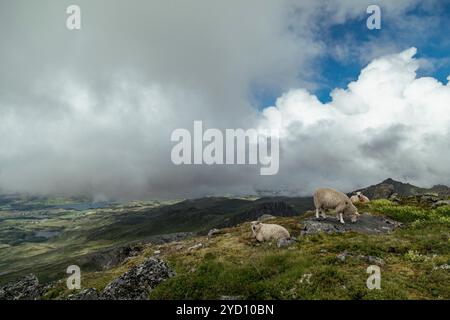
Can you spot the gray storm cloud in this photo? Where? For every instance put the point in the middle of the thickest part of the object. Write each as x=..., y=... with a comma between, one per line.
x=92, y=111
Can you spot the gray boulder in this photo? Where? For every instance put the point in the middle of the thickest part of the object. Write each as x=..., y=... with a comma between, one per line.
x=136, y=283
x=26, y=288
x=366, y=224
x=440, y=203
x=375, y=260
x=315, y=226
x=213, y=232
x=286, y=242
x=342, y=256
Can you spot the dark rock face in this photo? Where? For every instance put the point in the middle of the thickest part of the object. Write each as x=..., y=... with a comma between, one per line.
x=277, y=208
x=384, y=190
x=26, y=288
x=365, y=224
x=170, y=237
x=262, y=207
x=109, y=258
x=136, y=283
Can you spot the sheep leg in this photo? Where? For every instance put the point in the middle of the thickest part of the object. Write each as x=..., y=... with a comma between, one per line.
x=317, y=213
x=339, y=210
x=324, y=215
x=341, y=219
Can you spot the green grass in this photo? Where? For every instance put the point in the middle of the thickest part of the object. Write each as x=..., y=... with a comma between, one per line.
x=408, y=213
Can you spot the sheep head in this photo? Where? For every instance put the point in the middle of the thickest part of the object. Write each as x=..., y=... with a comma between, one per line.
x=353, y=212
x=256, y=226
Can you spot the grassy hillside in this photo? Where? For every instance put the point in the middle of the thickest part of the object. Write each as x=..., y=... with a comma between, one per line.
x=414, y=262
x=47, y=238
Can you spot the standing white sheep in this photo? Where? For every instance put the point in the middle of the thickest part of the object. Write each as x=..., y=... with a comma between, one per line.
x=327, y=198
x=267, y=232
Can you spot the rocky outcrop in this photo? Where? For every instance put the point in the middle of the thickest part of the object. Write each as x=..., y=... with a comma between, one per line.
x=136, y=283
x=441, y=203
x=26, y=288
x=213, y=232
x=366, y=224
x=109, y=258
x=442, y=190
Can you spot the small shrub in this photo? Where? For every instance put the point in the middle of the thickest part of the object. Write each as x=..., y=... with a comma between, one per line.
x=415, y=256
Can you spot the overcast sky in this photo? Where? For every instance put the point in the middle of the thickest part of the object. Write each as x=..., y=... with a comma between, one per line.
x=92, y=111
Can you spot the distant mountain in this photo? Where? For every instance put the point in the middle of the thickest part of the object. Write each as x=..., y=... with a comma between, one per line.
x=197, y=215
x=389, y=187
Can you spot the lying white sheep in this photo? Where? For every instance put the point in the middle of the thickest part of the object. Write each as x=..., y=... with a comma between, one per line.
x=362, y=198
x=327, y=198
x=267, y=232
x=359, y=198
x=354, y=199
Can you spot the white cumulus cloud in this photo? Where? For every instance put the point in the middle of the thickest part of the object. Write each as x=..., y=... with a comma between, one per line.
x=387, y=123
